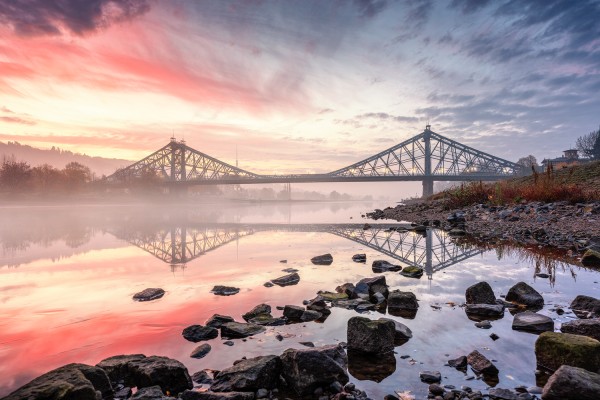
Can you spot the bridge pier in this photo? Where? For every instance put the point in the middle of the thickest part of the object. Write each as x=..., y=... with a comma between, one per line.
x=427, y=187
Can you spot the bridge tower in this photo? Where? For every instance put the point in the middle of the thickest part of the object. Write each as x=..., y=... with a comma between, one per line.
x=427, y=179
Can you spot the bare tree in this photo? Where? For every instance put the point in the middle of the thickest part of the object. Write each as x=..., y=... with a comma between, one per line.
x=586, y=143
x=528, y=162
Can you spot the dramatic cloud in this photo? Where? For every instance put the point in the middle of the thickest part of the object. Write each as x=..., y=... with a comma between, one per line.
x=53, y=17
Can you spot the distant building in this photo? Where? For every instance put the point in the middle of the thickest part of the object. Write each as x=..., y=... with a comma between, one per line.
x=570, y=158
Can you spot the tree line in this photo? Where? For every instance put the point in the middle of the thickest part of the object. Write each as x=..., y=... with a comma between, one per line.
x=20, y=177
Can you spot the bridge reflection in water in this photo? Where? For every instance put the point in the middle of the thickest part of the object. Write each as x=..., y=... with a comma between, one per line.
x=432, y=250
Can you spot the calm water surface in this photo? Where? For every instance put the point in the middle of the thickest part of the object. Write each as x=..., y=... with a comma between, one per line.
x=68, y=274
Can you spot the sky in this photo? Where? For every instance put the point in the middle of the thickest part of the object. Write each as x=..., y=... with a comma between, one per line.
x=298, y=86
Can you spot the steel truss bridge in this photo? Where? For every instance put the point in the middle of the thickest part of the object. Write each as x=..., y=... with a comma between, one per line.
x=432, y=251
x=426, y=157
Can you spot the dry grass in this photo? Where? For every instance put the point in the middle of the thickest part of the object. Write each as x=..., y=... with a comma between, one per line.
x=575, y=185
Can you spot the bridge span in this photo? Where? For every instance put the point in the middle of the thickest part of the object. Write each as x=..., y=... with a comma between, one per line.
x=426, y=157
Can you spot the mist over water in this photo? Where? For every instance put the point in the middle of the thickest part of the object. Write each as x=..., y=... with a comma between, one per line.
x=68, y=274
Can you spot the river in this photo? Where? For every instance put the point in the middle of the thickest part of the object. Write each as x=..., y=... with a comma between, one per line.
x=68, y=274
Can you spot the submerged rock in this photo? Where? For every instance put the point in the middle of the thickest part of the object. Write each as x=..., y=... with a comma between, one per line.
x=72, y=381
x=412, y=272
x=249, y=375
x=201, y=351
x=591, y=258
x=234, y=330
x=554, y=349
x=572, y=383
x=522, y=293
x=287, y=280
x=305, y=370
x=149, y=294
x=585, y=327
x=325, y=259
x=371, y=336
x=221, y=290
x=529, y=321
x=586, y=307
x=197, y=333
x=480, y=293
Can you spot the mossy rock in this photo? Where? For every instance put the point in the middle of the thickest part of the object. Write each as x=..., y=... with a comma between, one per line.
x=412, y=272
x=554, y=349
x=330, y=296
x=591, y=258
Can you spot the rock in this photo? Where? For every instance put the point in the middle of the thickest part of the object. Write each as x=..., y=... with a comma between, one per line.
x=221, y=290
x=430, y=376
x=457, y=232
x=307, y=344
x=370, y=286
x=287, y=280
x=586, y=307
x=149, y=294
x=494, y=337
x=249, y=375
x=204, y=376
x=319, y=305
x=485, y=324
x=485, y=310
x=355, y=304
x=412, y=272
x=330, y=296
x=522, y=293
x=268, y=284
x=293, y=313
x=150, y=393
x=197, y=333
x=290, y=270
x=402, y=300
x=459, y=363
x=234, y=330
x=360, y=258
x=402, y=332
x=502, y=394
x=554, y=349
x=585, y=327
x=262, y=394
x=572, y=383
x=217, y=320
x=542, y=275
x=141, y=371
x=325, y=259
x=123, y=393
x=201, y=351
x=71, y=381
x=480, y=364
x=257, y=310
x=480, y=293
x=384, y=266
x=347, y=288
x=196, y=395
x=371, y=336
x=304, y=370
x=228, y=343
x=372, y=367
x=310, y=315
x=268, y=320
x=436, y=389
x=529, y=321
x=591, y=258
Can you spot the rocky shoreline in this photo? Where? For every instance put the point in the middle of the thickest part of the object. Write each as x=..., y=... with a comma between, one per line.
x=570, y=229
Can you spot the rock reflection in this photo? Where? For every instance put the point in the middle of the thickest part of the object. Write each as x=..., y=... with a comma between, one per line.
x=404, y=313
x=371, y=367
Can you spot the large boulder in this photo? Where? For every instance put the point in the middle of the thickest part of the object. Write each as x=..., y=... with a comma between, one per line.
x=480, y=293
x=572, y=383
x=72, y=381
x=585, y=327
x=481, y=364
x=304, y=370
x=529, y=321
x=196, y=395
x=402, y=300
x=256, y=311
x=586, y=307
x=367, y=287
x=141, y=371
x=591, y=258
x=236, y=330
x=249, y=375
x=371, y=336
x=325, y=259
x=197, y=333
x=522, y=293
x=554, y=349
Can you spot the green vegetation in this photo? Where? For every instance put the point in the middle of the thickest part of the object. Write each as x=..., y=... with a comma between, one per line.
x=579, y=183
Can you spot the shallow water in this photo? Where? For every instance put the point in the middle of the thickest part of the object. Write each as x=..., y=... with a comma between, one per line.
x=68, y=274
